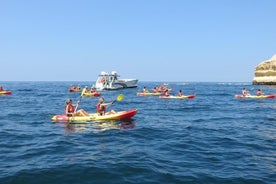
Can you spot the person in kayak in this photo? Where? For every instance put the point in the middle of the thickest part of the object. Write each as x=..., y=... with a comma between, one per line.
x=70, y=109
x=162, y=87
x=145, y=90
x=155, y=90
x=86, y=89
x=180, y=93
x=101, y=107
x=1, y=88
x=245, y=92
x=92, y=89
x=259, y=92
x=72, y=88
x=165, y=93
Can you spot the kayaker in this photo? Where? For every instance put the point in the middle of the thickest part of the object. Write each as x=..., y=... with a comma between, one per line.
x=162, y=87
x=86, y=89
x=92, y=90
x=145, y=90
x=165, y=93
x=101, y=107
x=72, y=88
x=1, y=88
x=155, y=90
x=245, y=92
x=259, y=92
x=70, y=109
x=179, y=93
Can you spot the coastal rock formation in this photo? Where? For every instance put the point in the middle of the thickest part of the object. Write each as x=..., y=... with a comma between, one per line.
x=265, y=72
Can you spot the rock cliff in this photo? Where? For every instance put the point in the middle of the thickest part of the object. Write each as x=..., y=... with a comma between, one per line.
x=265, y=72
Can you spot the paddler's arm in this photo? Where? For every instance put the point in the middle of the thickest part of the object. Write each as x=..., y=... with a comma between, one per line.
x=107, y=104
x=75, y=105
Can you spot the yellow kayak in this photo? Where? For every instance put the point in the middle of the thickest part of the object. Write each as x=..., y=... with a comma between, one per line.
x=148, y=94
x=96, y=93
x=95, y=116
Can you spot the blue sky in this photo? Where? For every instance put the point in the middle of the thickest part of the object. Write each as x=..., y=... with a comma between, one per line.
x=152, y=40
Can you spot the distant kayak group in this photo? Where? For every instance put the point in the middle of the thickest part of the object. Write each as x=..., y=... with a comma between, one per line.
x=74, y=88
x=87, y=92
x=163, y=92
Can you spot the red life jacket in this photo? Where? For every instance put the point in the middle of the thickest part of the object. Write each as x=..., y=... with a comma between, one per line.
x=71, y=108
x=100, y=109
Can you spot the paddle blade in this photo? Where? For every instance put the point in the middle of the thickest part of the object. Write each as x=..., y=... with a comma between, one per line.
x=120, y=97
x=83, y=91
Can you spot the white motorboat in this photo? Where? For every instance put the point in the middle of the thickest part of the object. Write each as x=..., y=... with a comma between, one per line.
x=108, y=81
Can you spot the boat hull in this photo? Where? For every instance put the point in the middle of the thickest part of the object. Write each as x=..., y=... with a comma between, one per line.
x=178, y=97
x=111, y=81
x=95, y=117
x=254, y=96
x=120, y=84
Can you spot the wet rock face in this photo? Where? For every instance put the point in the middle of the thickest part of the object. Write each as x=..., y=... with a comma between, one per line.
x=265, y=72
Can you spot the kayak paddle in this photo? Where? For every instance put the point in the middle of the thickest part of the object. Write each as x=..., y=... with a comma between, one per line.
x=119, y=98
x=83, y=91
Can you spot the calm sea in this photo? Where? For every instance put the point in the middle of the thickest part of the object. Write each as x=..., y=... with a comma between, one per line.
x=213, y=138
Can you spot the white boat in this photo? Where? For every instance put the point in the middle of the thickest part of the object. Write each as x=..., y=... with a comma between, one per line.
x=108, y=81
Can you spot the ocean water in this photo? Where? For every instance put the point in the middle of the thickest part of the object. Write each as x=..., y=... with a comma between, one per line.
x=213, y=138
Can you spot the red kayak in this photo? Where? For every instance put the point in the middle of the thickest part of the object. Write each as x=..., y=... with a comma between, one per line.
x=5, y=92
x=178, y=97
x=254, y=96
x=74, y=90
